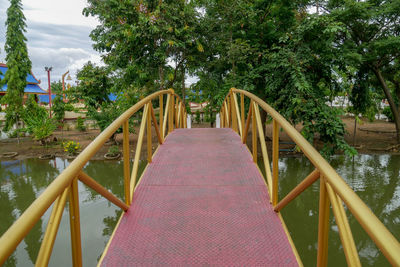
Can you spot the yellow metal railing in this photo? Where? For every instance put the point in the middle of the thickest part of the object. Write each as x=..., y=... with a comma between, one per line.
x=65, y=186
x=333, y=189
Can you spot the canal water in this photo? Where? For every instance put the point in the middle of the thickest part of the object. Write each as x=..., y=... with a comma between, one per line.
x=375, y=178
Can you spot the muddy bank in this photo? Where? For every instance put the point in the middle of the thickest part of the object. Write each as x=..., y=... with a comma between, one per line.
x=371, y=138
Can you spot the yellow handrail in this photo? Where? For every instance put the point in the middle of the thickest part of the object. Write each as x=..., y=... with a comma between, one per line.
x=66, y=182
x=332, y=185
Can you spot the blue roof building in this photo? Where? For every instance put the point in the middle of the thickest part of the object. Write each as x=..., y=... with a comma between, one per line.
x=31, y=88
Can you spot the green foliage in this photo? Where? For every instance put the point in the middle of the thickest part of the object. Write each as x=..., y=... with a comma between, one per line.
x=80, y=124
x=40, y=127
x=58, y=108
x=32, y=108
x=138, y=38
x=113, y=150
x=16, y=133
x=94, y=85
x=388, y=113
x=71, y=147
x=37, y=122
x=56, y=87
x=197, y=118
x=18, y=63
x=295, y=61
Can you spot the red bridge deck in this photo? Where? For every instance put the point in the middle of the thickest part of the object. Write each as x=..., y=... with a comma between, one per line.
x=201, y=202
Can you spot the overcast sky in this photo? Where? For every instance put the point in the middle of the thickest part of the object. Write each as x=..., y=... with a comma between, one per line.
x=58, y=36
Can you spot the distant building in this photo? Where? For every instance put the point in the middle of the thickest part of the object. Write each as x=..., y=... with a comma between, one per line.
x=32, y=86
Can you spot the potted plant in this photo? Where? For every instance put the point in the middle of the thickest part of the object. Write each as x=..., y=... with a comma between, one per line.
x=113, y=153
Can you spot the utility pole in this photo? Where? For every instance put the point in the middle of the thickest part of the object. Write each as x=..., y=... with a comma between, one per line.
x=49, y=69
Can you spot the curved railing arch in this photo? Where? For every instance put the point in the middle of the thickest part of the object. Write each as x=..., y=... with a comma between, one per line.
x=333, y=189
x=65, y=185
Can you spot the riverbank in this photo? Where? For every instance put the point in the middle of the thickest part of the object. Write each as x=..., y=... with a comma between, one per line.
x=371, y=138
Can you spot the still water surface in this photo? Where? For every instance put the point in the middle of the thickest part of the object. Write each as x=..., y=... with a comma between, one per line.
x=375, y=178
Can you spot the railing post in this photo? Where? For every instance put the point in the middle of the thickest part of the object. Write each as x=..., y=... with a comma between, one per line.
x=242, y=109
x=233, y=113
x=222, y=116
x=254, y=134
x=74, y=220
x=239, y=124
x=125, y=149
x=246, y=129
x=346, y=236
x=138, y=150
x=227, y=116
x=166, y=117
x=176, y=112
x=149, y=139
x=52, y=229
x=161, y=113
x=229, y=106
x=275, y=158
x=323, y=224
x=261, y=137
x=171, y=113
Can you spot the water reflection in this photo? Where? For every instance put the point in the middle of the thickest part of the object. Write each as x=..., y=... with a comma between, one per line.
x=375, y=178
x=22, y=181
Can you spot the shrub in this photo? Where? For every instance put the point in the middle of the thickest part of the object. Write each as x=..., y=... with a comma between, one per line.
x=388, y=113
x=80, y=124
x=113, y=150
x=37, y=123
x=41, y=128
x=197, y=116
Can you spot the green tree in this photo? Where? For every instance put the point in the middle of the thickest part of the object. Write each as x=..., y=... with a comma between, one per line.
x=371, y=42
x=56, y=87
x=140, y=40
x=94, y=85
x=277, y=51
x=18, y=63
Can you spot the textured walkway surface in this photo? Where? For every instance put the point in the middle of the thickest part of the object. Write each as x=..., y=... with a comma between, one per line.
x=201, y=202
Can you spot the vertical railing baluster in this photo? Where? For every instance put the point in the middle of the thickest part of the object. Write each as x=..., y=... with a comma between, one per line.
x=161, y=113
x=52, y=230
x=166, y=117
x=149, y=139
x=275, y=158
x=125, y=150
x=178, y=116
x=228, y=101
x=74, y=220
x=242, y=109
x=345, y=234
x=238, y=116
x=261, y=137
x=233, y=113
x=171, y=113
x=323, y=224
x=135, y=167
x=227, y=125
x=246, y=129
x=174, y=113
x=254, y=134
x=156, y=128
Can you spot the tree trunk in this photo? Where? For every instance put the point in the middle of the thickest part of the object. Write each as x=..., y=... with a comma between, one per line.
x=390, y=99
x=161, y=74
x=183, y=85
x=355, y=130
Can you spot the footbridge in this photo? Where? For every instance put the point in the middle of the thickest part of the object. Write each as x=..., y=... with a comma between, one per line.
x=202, y=200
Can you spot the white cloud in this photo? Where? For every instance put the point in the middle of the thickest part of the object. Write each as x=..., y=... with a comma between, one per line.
x=58, y=36
x=58, y=12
